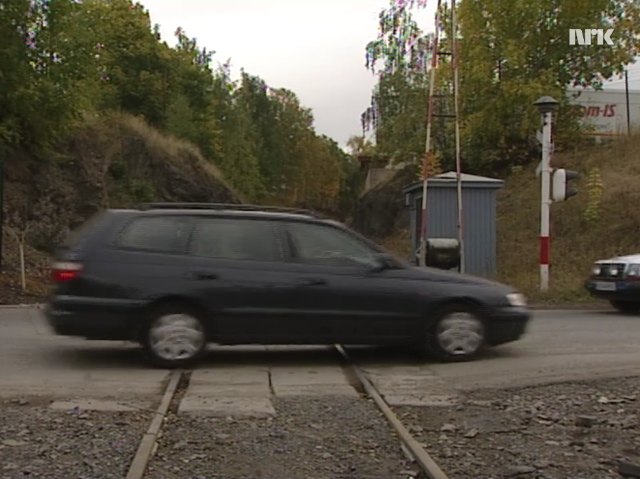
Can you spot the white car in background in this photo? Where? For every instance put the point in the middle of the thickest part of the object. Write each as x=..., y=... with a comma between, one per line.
x=617, y=280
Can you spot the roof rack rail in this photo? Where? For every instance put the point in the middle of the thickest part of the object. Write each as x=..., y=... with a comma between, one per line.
x=227, y=206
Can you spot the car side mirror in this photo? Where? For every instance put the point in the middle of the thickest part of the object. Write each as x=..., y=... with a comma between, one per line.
x=382, y=262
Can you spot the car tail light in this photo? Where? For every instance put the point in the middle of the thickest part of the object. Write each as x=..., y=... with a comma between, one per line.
x=65, y=271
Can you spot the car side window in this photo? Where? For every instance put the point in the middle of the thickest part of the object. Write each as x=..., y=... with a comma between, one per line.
x=237, y=239
x=166, y=234
x=326, y=245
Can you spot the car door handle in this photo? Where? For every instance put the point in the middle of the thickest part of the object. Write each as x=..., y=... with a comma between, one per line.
x=312, y=282
x=202, y=275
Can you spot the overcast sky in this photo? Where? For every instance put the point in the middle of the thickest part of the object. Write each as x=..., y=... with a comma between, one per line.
x=313, y=47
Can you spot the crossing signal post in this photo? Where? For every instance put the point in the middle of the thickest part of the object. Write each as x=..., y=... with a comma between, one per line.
x=555, y=184
x=546, y=106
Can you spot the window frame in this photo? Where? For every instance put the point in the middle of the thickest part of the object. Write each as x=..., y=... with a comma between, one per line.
x=294, y=254
x=116, y=240
x=280, y=247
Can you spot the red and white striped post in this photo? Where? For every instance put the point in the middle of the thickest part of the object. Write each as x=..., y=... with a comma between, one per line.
x=546, y=105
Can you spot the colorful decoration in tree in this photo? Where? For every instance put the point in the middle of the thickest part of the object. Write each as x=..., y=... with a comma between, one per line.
x=401, y=47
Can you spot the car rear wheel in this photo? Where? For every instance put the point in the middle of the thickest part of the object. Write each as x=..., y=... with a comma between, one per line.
x=174, y=337
x=457, y=335
x=628, y=307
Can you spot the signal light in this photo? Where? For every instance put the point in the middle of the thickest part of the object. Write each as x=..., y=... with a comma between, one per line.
x=561, y=188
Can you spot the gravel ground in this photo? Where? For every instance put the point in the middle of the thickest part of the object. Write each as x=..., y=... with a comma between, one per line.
x=571, y=430
x=38, y=442
x=311, y=438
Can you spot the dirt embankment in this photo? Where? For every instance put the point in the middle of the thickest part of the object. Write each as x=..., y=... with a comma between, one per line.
x=380, y=213
x=110, y=162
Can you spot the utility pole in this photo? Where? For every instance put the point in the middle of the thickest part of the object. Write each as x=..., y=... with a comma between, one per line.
x=456, y=101
x=546, y=106
x=428, y=147
x=626, y=90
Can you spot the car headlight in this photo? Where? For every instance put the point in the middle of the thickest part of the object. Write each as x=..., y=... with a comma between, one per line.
x=633, y=271
x=596, y=270
x=517, y=300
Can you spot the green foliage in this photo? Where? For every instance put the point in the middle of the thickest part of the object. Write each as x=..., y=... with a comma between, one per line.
x=238, y=158
x=180, y=119
x=360, y=146
x=117, y=170
x=511, y=53
x=37, y=96
x=141, y=190
x=352, y=184
x=64, y=62
x=509, y=60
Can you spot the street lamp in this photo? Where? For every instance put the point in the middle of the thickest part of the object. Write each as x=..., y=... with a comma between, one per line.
x=546, y=106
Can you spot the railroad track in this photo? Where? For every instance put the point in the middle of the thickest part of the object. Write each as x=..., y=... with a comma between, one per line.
x=178, y=382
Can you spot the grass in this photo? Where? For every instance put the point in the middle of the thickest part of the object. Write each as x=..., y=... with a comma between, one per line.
x=399, y=243
x=583, y=229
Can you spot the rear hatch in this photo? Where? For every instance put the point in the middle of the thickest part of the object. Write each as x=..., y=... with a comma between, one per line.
x=70, y=257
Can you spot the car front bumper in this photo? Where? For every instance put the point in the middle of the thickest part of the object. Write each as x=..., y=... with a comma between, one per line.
x=614, y=290
x=506, y=324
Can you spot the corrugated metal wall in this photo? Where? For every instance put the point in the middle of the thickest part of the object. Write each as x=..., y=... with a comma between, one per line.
x=479, y=223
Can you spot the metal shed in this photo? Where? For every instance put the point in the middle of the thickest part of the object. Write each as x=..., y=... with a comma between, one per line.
x=479, y=217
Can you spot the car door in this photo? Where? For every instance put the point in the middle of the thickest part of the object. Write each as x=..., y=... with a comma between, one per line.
x=341, y=298
x=235, y=266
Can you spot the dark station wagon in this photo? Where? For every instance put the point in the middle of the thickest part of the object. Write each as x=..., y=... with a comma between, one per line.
x=175, y=277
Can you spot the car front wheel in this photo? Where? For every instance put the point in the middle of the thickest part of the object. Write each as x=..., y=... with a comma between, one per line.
x=458, y=334
x=628, y=307
x=174, y=337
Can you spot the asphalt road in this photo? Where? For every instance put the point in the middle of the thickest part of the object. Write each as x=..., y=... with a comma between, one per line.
x=559, y=346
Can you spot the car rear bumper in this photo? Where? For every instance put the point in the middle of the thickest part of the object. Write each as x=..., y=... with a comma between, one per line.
x=624, y=290
x=507, y=324
x=93, y=318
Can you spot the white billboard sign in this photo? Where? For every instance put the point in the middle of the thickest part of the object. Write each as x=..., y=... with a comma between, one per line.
x=606, y=111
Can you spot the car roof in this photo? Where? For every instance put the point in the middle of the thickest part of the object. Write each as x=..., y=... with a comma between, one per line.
x=215, y=209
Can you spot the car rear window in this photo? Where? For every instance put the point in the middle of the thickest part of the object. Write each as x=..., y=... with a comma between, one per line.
x=166, y=234
x=76, y=236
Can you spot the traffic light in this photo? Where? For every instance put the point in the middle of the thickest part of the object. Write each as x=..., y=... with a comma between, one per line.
x=561, y=188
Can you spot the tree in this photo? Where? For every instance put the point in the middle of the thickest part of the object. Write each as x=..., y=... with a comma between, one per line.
x=512, y=56
x=65, y=62
x=351, y=176
x=399, y=101
x=26, y=217
x=39, y=73
x=359, y=145
x=14, y=19
x=238, y=159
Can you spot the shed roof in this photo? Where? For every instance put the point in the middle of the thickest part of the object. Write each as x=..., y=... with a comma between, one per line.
x=449, y=179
